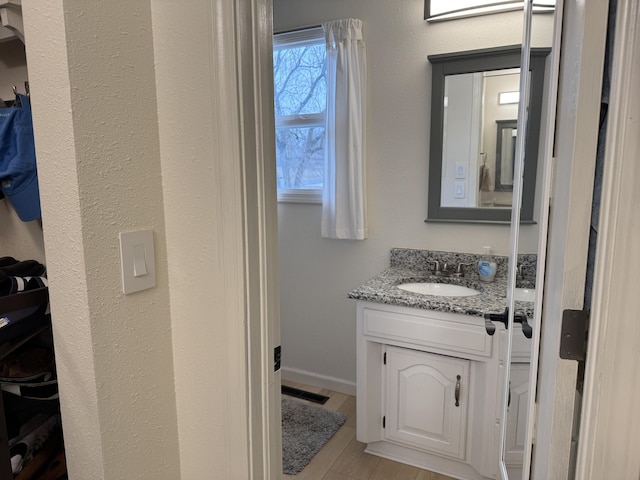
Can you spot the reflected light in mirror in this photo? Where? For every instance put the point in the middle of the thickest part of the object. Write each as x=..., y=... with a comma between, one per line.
x=505, y=98
x=436, y=10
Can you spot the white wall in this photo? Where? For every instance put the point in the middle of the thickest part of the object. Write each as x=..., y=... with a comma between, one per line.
x=318, y=321
x=460, y=139
x=91, y=71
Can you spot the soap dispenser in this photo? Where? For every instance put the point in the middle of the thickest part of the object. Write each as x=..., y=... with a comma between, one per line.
x=487, y=266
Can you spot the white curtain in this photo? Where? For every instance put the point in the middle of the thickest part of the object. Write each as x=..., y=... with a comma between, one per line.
x=344, y=210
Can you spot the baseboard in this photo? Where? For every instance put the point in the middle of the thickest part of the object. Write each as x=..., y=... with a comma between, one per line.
x=317, y=380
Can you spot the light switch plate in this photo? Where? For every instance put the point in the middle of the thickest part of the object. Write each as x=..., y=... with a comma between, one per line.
x=461, y=170
x=458, y=190
x=137, y=259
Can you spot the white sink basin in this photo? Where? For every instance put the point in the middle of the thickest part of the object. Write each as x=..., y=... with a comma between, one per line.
x=525, y=294
x=439, y=289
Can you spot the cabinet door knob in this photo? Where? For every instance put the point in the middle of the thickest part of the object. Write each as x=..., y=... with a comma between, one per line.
x=457, y=393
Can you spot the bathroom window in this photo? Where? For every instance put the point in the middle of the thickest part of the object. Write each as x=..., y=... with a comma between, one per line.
x=299, y=72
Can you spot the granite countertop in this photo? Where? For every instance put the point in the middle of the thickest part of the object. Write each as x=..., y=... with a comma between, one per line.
x=408, y=266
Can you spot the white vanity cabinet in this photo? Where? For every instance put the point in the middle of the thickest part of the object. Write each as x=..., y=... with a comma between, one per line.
x=426, y=389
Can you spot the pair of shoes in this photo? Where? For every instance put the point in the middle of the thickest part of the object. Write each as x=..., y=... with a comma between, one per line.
x=12, y=285
x=27, y=364
x=26, y=268
x=36, y=432
x=6, y=261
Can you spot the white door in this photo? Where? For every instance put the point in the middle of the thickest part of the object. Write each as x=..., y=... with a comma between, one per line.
x=574, y=144
x=520, y=371
x=577, y=115
x=426, y=400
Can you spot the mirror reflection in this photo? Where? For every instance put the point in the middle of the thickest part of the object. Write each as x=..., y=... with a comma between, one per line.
x=479, y=107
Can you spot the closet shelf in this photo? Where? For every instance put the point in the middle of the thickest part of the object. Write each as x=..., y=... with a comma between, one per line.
x=37, y=300
x=11, y=19
x=18, y=301
x=29, y=318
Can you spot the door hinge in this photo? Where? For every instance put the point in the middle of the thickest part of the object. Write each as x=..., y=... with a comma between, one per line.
x=384, y=422
x=384, y=358
x=573, y=342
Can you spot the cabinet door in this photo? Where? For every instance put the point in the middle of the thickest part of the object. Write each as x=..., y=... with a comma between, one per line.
x=426, y=401
x=517, y=416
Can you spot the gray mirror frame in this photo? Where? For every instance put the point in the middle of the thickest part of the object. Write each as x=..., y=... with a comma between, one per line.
x=475, y=61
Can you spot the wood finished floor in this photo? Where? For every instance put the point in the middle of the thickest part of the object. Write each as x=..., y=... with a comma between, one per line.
x=343, y=457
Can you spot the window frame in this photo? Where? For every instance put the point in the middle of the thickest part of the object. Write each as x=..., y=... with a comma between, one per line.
x=293, y=39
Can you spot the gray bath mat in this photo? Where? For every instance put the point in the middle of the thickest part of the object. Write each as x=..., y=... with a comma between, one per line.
x=305, y=430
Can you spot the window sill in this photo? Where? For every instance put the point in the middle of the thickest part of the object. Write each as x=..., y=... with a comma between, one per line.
x=300, y=196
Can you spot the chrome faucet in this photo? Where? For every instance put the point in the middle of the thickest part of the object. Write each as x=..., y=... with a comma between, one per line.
x=459, y=270
x=521, y=270
x=441, y=269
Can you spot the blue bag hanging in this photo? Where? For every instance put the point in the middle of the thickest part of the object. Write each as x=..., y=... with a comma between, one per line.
x=18, y=173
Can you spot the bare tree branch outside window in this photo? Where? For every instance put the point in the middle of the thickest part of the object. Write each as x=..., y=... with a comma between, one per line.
x=300, y=102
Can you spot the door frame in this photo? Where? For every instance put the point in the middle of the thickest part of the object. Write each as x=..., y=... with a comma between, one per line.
x=254, y=57
x=584, y=33
x=610, y=418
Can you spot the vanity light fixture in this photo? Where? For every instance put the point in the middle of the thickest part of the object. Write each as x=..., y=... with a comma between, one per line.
x=505, y=98
x=437, y=10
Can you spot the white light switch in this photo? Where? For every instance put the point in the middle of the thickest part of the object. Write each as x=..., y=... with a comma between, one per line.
x=137, y=258
x=458, y=191
x=461, y=170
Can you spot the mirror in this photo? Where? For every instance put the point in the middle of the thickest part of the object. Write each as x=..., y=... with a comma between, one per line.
x=473, y=107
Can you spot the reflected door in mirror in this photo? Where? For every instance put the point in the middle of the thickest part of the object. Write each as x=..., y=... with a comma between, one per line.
x=507, y=133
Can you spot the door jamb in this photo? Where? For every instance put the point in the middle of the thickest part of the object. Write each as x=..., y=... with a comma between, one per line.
x=610, y=418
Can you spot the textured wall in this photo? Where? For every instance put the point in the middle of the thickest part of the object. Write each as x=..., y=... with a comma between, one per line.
x=318, y=322
x=93, y=88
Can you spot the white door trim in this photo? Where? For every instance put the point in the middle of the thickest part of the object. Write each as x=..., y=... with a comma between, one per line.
x=583, y=41
x=608, y=446
x=254, y=51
